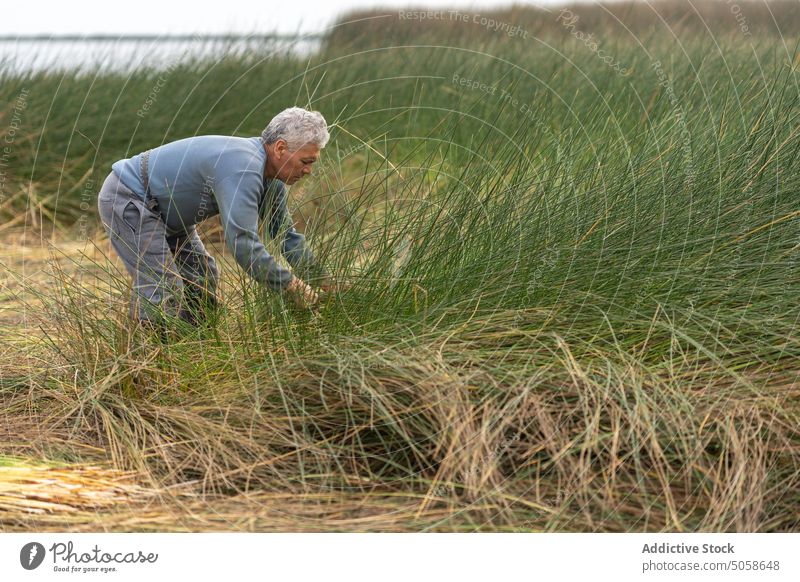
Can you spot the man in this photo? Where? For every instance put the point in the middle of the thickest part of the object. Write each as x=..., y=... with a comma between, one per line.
x=151, y=202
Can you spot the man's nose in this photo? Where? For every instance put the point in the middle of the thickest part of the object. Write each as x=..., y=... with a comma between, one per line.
x=307, y=170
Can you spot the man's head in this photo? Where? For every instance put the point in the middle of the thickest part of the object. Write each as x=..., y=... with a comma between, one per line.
x=293, y=140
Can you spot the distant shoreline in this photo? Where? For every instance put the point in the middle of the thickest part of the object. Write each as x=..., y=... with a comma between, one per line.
x=159, y=37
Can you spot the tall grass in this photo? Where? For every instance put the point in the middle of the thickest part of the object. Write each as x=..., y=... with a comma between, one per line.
x=572, y=315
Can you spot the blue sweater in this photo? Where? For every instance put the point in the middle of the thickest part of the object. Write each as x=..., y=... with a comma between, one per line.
x=201, y=176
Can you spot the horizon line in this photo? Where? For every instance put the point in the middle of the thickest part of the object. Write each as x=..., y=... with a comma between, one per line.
x=150, y=36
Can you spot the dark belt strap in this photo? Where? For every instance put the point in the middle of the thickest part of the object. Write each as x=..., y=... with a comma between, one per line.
x=150, y=201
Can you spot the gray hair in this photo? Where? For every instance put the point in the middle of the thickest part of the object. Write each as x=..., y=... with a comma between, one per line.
x=297, y=126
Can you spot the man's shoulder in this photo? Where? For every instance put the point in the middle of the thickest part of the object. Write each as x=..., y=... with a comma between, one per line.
x=234, y=150
x=229, y=142
x=219, y=144
x=222, y=157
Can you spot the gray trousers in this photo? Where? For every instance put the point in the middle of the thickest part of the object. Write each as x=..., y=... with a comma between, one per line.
x=173, y=275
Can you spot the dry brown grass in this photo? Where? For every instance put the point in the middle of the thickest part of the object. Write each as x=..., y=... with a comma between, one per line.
x=577, y=440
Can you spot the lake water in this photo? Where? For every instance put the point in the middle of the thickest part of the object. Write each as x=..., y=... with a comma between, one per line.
x=125, y=54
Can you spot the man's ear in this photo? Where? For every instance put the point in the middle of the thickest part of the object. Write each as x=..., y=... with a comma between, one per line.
x=281, y=147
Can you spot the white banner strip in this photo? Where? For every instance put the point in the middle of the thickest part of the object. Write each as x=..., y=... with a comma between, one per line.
x=402, y=557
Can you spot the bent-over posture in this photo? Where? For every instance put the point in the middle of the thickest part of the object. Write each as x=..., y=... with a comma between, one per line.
x=151, y=202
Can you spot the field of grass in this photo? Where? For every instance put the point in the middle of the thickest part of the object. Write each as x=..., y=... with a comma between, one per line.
x=574, y=301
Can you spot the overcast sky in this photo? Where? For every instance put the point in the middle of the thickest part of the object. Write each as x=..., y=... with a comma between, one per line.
x=24, y=17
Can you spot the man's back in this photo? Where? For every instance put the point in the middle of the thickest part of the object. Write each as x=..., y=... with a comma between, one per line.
x=184, y=175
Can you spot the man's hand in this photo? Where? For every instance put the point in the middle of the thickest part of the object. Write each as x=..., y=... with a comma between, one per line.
x=301, y=293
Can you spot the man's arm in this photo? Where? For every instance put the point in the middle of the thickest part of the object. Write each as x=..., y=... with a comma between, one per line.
x=237, y=197
x=294, y=246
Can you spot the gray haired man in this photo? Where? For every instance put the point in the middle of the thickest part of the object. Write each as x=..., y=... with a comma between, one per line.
x=150, y=203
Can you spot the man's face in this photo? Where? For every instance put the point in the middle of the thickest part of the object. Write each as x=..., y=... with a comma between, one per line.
x=288, y=166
